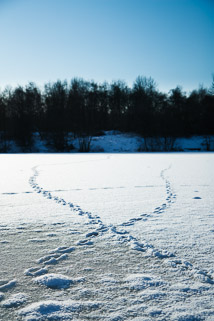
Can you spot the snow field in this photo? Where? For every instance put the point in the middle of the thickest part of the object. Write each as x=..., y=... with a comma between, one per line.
x=135, y=261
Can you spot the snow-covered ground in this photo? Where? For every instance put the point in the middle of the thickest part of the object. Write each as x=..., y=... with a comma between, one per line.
x=117, y=142
x=107, y=237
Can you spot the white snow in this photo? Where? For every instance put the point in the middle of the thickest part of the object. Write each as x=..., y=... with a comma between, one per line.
x=54, y=281
x=141, y=281
x=55, y=310
x=63, y=249
x=113, y=142
x=35, y=271
x=14, y=300
x=6, y=284
x=130, y=236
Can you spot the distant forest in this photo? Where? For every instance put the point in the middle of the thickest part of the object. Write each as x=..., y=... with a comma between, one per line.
x=86, y=108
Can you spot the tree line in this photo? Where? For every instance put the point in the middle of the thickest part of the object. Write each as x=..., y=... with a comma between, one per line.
x=86, y=108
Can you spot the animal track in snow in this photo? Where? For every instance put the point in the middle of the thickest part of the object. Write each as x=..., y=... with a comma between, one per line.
x=92, y=219
x=63, y=249
x=200, y=275
x=170, y=199
x=56, y=255
x=35, y=271
x=7, y=285
x=121, y=235
x=84, y=242
x=95, y=220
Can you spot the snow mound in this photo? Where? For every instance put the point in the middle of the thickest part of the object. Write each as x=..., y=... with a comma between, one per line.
x=114, y=141
x=142, y=281
x=55, y=310
x=14, y=300
x=54, y=281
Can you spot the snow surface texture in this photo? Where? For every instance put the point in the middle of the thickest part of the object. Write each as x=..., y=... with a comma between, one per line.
x=107, y=237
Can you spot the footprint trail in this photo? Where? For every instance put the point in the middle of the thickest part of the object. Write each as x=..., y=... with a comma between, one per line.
x=119, y=234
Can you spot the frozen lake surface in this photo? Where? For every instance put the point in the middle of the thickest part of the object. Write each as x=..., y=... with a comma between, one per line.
x=107, y=237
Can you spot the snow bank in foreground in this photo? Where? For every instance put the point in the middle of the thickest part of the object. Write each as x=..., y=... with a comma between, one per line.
x=55, y=310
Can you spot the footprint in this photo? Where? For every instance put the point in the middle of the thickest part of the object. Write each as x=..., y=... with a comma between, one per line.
x=14, y=300
x=7, y=285
x=84, y=242
x=145, y=215
x=92, y=234
x=120, y=232
x=62, y=258
x=47, y=258
x=135, y=219
x=35, y=271
x=51, y=261
x=102, y=229
x=63, y=249
x=127, y=224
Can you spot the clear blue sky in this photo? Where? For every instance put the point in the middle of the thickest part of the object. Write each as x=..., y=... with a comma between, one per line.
x=170, y=40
